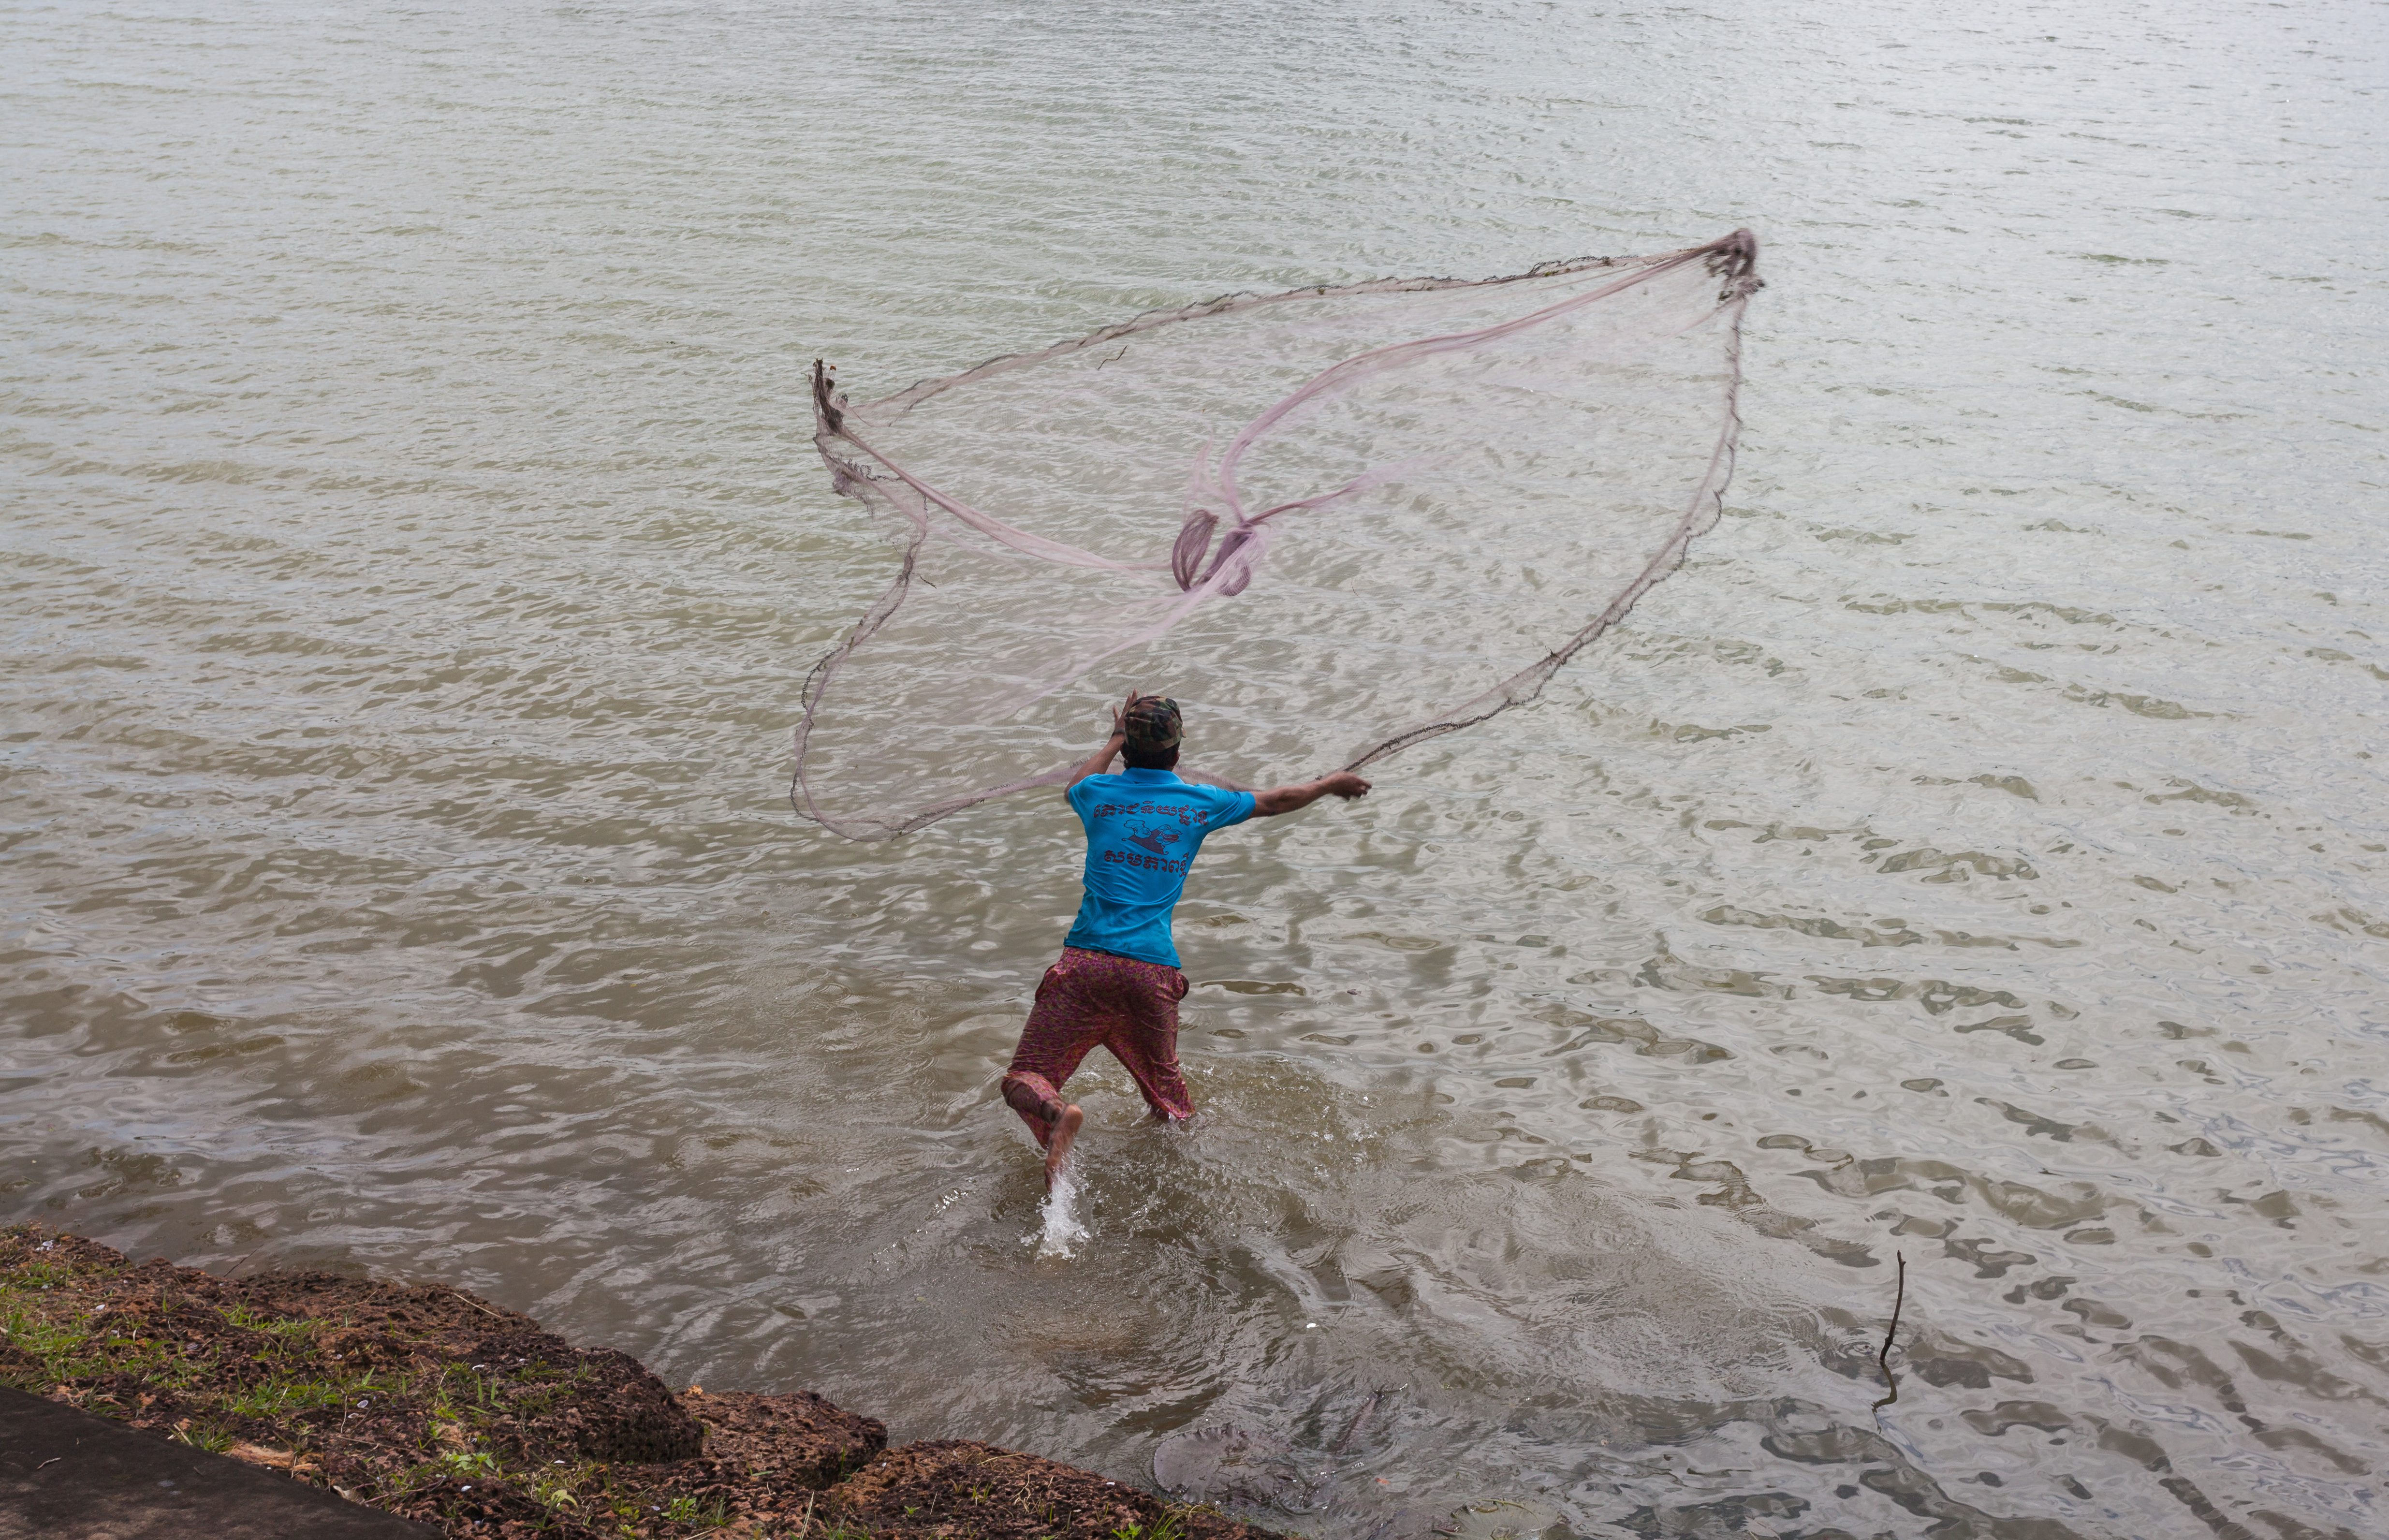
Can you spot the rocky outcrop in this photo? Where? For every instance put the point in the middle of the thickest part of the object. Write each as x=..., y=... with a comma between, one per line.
x=428, y=1402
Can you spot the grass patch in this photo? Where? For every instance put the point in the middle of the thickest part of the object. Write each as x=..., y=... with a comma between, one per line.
x=202, y=1435
x=467, y=1464
x=280, y=1400
x=1172, y=1525
x=395, y=1408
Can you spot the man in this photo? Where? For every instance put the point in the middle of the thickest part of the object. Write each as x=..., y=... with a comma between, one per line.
x=1118, y=982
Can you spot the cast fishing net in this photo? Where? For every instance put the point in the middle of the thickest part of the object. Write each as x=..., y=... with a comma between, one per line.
x=1333, y=523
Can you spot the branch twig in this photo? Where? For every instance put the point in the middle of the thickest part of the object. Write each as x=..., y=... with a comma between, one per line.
x=1883, y=1360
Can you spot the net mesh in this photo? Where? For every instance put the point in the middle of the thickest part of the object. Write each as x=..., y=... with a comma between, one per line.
x=1333, y=523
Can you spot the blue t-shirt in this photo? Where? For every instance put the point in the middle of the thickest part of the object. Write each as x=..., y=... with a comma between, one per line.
x=1143, y=827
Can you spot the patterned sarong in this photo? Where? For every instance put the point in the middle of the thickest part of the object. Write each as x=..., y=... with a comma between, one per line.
x=1090, y=998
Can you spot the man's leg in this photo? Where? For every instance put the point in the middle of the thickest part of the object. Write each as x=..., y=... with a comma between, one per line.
x=1062, y=1026
x=1054, y=1121
x=1146, y=1042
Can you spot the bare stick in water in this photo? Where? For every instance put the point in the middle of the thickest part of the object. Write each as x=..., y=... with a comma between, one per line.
x=1883, y=1360
x=1358, y=1422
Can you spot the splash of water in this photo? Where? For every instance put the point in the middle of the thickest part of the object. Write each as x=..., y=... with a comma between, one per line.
x=1064, y=1232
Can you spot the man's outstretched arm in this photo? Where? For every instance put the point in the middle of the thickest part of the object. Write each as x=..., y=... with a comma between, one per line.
x=1286, y=799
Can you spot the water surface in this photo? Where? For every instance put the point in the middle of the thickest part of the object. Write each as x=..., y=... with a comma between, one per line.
x=413, y=552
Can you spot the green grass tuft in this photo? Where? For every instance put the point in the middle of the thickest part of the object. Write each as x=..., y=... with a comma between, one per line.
x=204, y=1435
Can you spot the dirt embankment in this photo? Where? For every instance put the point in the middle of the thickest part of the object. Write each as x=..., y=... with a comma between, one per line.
x=428, y=1402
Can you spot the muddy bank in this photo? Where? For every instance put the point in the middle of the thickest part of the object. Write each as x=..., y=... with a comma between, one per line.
x=426, y=1401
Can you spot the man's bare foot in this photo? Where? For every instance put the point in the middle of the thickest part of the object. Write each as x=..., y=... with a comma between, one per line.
x=1058, y=1143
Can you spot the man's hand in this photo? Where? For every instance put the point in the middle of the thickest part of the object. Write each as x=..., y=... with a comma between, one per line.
x=1286, y=799
x=1101, y=760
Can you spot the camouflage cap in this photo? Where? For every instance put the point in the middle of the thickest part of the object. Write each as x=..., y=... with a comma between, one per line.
x=1152, y=724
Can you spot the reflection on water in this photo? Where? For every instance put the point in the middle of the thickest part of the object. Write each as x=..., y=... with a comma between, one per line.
x=414, y=552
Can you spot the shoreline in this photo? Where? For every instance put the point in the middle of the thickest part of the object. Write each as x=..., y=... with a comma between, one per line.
x=426, y=1402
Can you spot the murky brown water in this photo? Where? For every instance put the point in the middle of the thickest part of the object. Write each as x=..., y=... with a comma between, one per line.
x=412, y=552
